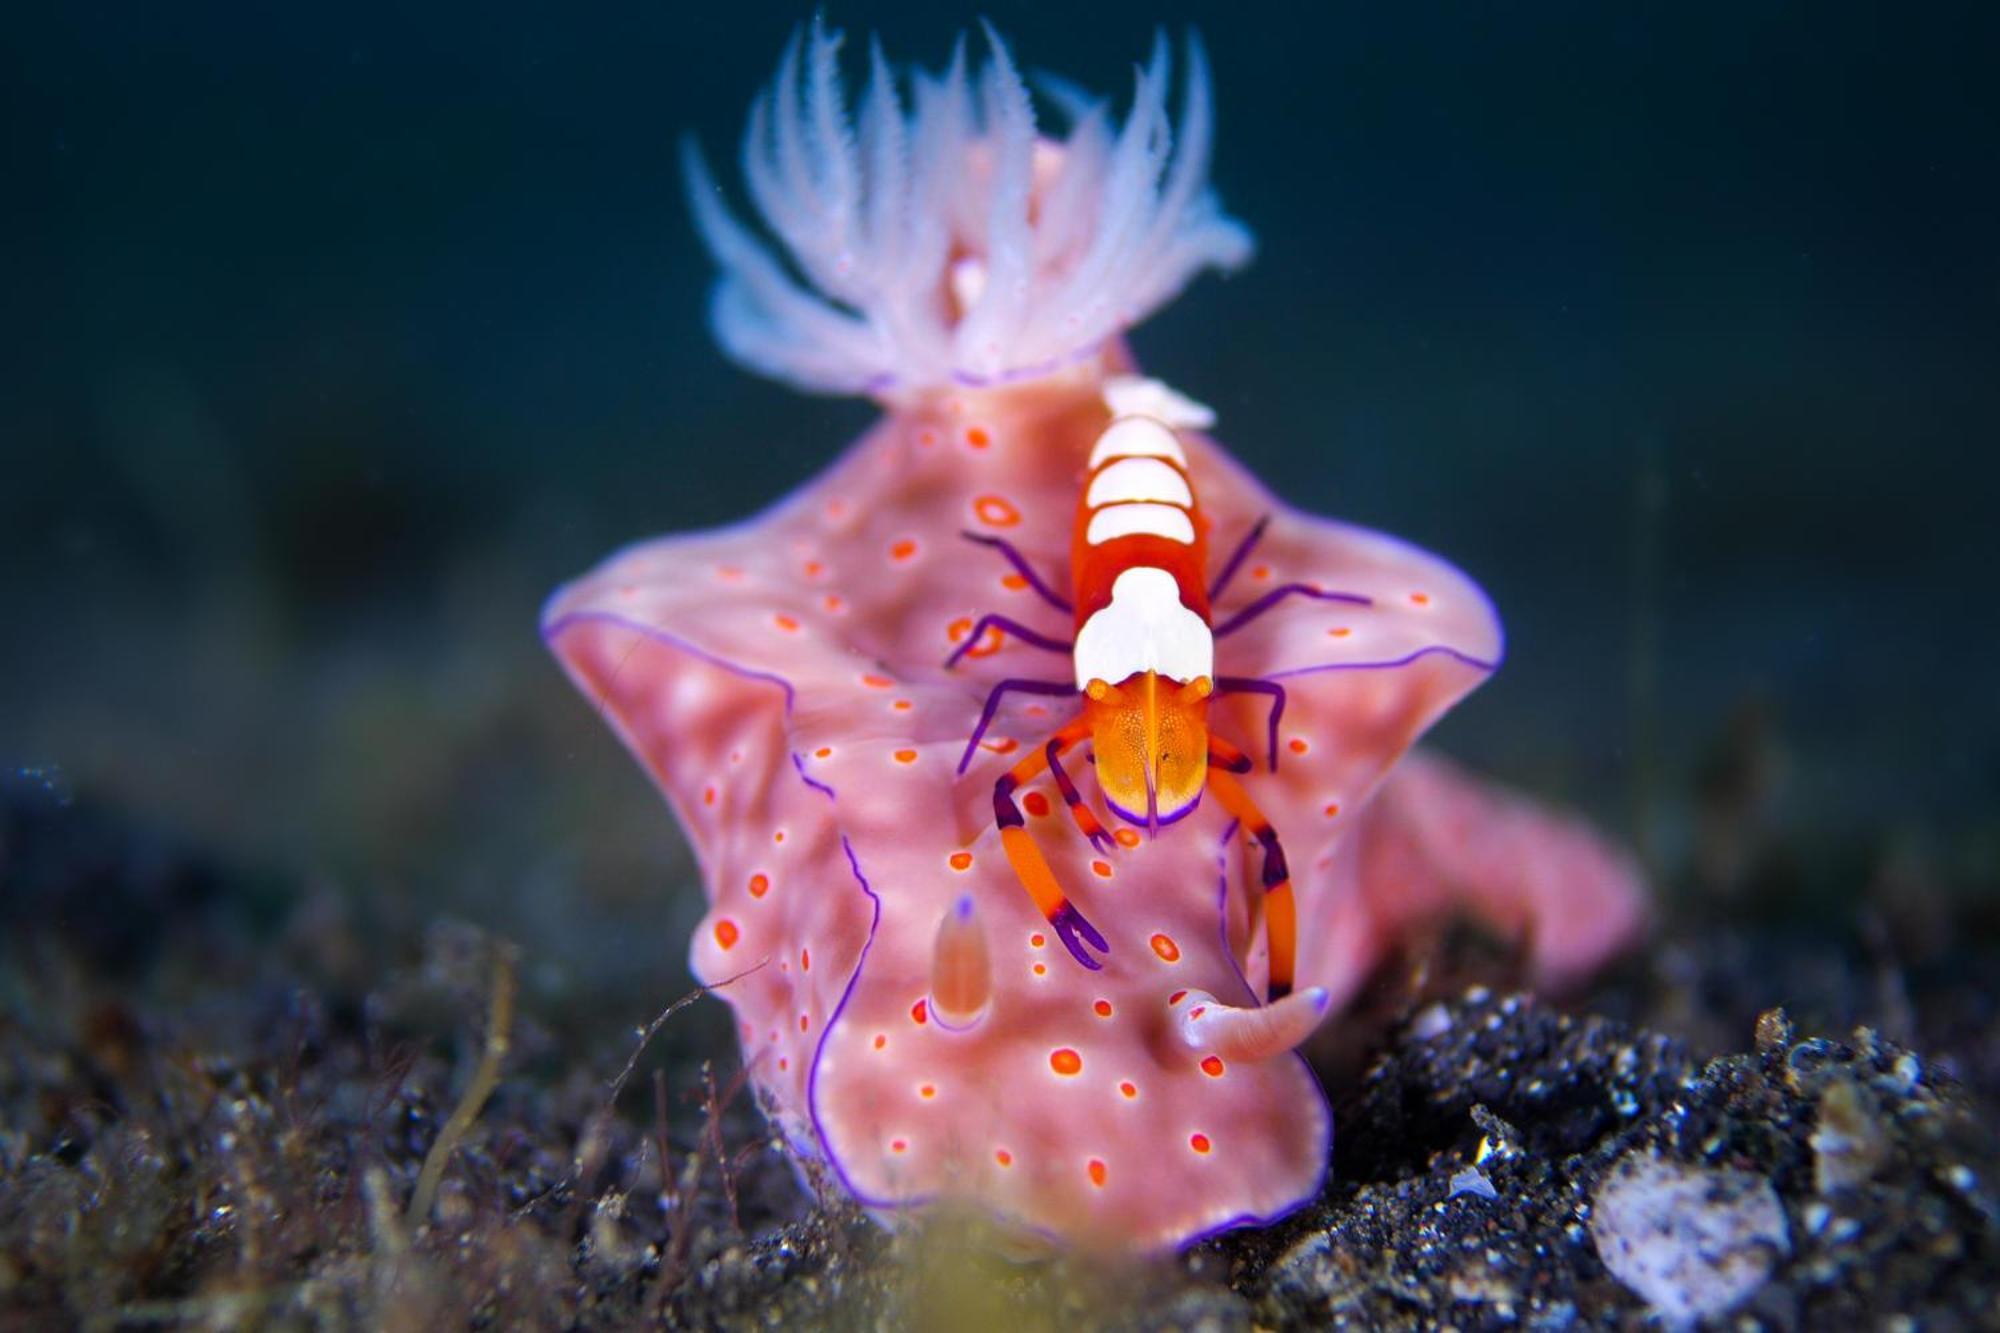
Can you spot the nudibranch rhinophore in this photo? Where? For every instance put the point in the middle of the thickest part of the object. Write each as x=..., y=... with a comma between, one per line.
x=907, y=1015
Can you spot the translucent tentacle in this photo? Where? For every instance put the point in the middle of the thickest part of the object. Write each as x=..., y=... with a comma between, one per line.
x=941, y=240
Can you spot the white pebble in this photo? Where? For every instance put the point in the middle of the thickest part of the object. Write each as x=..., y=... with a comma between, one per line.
x=1472, y=1181
x=1431, y=1023
x=1690, y=1241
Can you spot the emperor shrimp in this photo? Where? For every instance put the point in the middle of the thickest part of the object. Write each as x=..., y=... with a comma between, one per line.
x=1143, y=655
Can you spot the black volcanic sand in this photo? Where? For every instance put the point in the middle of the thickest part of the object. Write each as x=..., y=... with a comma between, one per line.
x=215, y=1105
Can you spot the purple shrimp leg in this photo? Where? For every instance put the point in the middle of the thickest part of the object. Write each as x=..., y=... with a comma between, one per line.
x=1079, y=810
x=1069, y=923
x=1238, y=556
x=1276, y=595
x=1257, y=685
x=1023, y=568
x=1019, y=686
x=1011, y=626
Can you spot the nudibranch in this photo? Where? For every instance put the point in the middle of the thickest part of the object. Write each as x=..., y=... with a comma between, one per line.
x=907, y=1016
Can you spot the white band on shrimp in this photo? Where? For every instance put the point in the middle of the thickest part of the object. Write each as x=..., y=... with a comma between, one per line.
x=1147, y=520
x=1145, y=628
x=1128, y=479
x=1137, y=437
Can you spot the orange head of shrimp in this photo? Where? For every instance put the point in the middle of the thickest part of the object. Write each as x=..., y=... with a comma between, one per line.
x=1150, y=736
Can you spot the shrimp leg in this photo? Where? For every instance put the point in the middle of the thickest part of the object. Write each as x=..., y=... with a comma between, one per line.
x=1257, y=685
x=1010, y=626
x=1279, y=594
x=1019, y=685
x=1030, y=866
x=1023, y=568
x=1280, y=911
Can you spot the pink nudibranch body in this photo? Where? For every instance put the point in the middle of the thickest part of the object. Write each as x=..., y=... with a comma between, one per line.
x=783, y=682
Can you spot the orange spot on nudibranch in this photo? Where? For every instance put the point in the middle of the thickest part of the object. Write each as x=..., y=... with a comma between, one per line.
x=990, y=643
x=805, y=1022
x=805, y=960
x=1420, y=599
x=1129, y=1089
x=1002, y=1156
x=1212, y=1066
x=1005, y=745
x=961, y=860
x=996, y=511
x=708, y=796
x=1199, y=1142
x=786, y=623
x=1176, y=998
x=783, y=1064
x=823, y=752
x=902, y=705
x=1040, y=969
x=1339, y=632
x=902, y=548
x=881, y=1040
x=899, y=1145
x=779, y=836
x=874, y=682
x=1013, y=582
x=1261, y=572
x=1332, y=809
x=726, y=933
x=1037, y=804
x=760, y=884
x=814, y=569
x=1102, y=869
x=1102, y=1008
x=1065, y=1062
x=1038, y=940
x=1164, y=946
x=729, y=572
x=833, y=603
x=1126, y=838
x=927, y=1091
x=977, y=437
x=906, y=756
x=1097, y=1173
x=1297, y=745
x=918, y=1012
